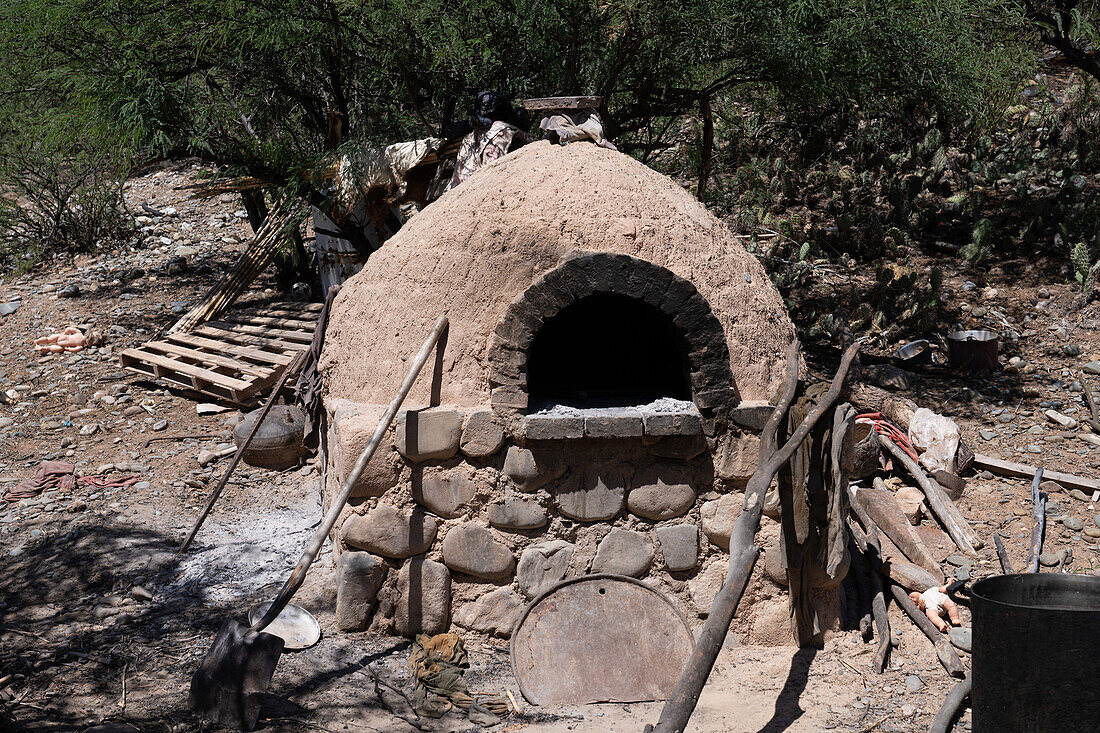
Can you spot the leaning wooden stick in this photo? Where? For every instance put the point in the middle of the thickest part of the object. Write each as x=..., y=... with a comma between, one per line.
x=1038, y=521
x=743, y=550
x=878, y=605
x=291, y=368
x=869, y=544
x=949, y=658
x=1002, y=555
x=953, y=521
x=942, y=722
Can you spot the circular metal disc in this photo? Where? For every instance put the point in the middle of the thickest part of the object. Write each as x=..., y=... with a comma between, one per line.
x=600, y=638
x=295, y=625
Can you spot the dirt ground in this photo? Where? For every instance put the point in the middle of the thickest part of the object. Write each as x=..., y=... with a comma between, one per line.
x=100, y=619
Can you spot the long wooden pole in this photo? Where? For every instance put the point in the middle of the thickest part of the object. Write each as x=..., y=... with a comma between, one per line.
x=743, y=550
x=953, y=521
x=1038, y=522
x=291, y=369
x=294, y=582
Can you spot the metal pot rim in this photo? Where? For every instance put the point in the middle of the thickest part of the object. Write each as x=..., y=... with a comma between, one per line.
x=1069, y=582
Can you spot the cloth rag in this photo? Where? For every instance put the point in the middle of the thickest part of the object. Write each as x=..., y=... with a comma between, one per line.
x=438, y=665
x=61, y=475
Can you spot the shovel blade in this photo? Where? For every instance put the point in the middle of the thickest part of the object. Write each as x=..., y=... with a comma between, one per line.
x=229, y=685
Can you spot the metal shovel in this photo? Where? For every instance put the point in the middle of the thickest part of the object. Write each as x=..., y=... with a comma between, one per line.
x=228, y=686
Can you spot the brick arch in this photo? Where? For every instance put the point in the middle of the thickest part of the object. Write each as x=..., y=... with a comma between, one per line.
x=712, y=385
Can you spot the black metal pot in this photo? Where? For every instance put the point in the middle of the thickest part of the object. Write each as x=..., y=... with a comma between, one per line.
x=1036, y=653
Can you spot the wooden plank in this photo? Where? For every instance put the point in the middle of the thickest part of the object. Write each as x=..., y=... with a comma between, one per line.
x=226, y=347
x=551, y=103
x=1022, y=470
x=291, y=323
x=882, y=506
x=204, y=357
x=159, y=362
x=249, y=338
x=280, y=313
x=299, y=336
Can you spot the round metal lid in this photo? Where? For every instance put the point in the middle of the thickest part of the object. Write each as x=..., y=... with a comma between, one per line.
x=600, y=638
x=294, y=625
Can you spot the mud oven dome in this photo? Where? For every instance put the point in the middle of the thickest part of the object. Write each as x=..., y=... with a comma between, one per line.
x=594, y=408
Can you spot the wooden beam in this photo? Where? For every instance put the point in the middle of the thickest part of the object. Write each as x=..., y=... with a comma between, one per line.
x=1022, y=470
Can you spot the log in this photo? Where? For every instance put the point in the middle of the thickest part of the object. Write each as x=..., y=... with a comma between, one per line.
x=910, y=576
x=1022, y=470
x=883, y=509
x=945, y=509
x=1002, y=555
x=743, y=550
x=942, y=723
x=878, y=606
x=1038, y=522
x=861, y=574
x=949, y=658
x=895, y=408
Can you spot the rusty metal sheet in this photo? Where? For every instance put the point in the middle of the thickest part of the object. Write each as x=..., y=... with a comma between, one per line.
x=600, y=638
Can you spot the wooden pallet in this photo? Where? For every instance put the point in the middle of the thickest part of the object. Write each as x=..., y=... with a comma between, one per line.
x=235, y=359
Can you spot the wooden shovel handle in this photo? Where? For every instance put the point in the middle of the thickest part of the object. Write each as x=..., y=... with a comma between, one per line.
x=294, y=582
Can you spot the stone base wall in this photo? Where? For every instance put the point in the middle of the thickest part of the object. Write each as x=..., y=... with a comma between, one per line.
x=456, y=523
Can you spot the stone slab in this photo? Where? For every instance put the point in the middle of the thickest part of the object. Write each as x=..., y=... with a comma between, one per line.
x=471, y=549
x=482, y=434
x=359, y=576
x=679, y=546
x=389, y=532
x=623, y=552
x=543, y=566
x=591, y=495
x=428, y=434
x=672, y=423
x=423, y=598
x=625, y=423
x=553, y=427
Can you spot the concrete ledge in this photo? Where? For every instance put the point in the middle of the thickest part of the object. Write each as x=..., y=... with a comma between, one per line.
x=611, y=422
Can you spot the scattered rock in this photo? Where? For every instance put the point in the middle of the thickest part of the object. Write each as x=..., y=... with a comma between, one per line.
x=1049, y=559
x=961, y=561
x=1073, y=524
x=913, y=683
x=1079, y=495
x=543, y=566
x=470, y=549
x=1065, y=421
x=1050, y=487
x=623, y=552
x=987, y=434
x=961, y=638
x=139, y=593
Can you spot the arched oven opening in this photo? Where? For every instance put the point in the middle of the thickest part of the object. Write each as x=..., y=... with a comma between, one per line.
x=607, y=350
